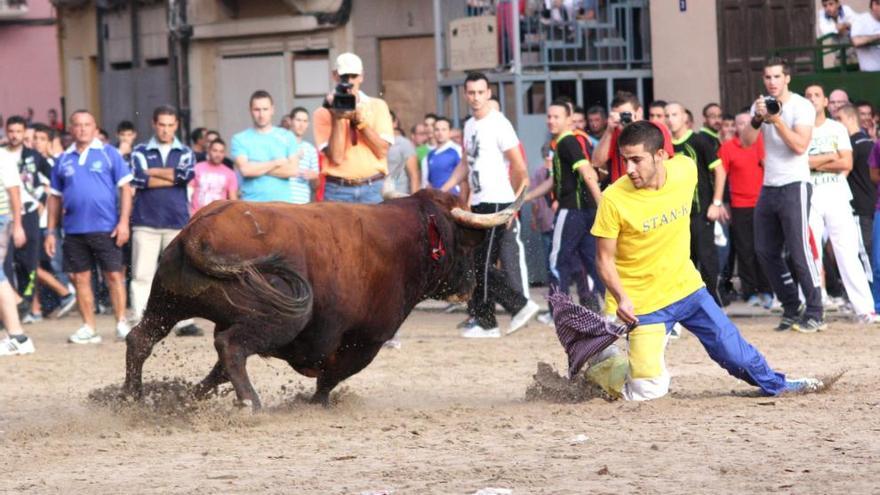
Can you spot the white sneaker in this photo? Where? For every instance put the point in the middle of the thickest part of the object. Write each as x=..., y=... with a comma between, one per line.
x=867, y=319
x=521, y=318
x=85, y=335
x=478, y=332
x=12, y=347
x=545, y=318
x=122, y=329
x=675, y=333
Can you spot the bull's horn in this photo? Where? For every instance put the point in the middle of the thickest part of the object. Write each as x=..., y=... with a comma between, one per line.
x=392, y=194
x=388, y=191
x=489, y=220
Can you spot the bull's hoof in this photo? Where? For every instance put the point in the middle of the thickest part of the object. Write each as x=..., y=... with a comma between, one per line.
x=132, y=393
x=253, y=405
x=321, y=398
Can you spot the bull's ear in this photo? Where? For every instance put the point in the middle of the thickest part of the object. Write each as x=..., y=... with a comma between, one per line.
x=471, y=238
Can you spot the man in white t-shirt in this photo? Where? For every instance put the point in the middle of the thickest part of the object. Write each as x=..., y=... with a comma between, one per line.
x=834, y=18
x=831, y=158
x=489, y=141
x=783, y=209
x=865, y=31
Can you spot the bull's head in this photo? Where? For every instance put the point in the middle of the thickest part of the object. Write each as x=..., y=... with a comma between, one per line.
x=461, y=232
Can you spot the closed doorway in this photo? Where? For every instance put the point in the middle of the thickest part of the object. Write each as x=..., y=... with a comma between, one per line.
x=409, y=82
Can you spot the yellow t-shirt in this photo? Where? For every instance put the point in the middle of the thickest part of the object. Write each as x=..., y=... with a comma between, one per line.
x=653, y=235
x=359, y=161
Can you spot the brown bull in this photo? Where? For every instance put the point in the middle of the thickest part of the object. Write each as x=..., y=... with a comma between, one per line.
x=321, y=286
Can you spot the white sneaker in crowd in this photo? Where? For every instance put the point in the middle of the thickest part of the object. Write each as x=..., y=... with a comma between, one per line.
x=545, y=318
x=478, y=332
x=122, y=329
x=868, y=319
x=522, y=317
x=85, y=335
x=12, y=347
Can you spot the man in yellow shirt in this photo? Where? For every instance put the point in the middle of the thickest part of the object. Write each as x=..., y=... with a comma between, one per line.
x=355, y=143
x=643, y=234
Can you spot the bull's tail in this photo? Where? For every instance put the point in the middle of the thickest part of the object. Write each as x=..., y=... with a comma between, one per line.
x=252, y=276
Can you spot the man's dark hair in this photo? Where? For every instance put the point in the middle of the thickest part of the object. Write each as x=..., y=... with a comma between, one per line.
x=16, y=119
x=560, y=102
x=217, y=141
x=48, y=131
x=858, y=104
x=872, y=2
x=259, y=95
x=816, y=84
x=727, y=116
x=164, y=110
x=476, y=76
x=689, y=114
x=658, y=104
x=774, y=61
x=623, y=97
x=440, y=118
x=212, y=131
x=197, y=134
x=431, y=115
x=593, y=110
x=125, y=125
x=708, y=106
x=297, y=110
x=642, y=132
x=103, y=133
x=578, y=109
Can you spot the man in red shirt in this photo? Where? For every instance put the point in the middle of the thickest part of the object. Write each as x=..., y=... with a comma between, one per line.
x=745, y=174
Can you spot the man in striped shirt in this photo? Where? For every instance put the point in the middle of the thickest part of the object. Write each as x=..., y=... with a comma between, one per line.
x=302, y=184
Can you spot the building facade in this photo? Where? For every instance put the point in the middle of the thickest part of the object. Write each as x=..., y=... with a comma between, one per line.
x=29, y=56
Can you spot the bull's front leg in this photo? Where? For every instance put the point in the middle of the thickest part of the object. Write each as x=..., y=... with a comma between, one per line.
x=350, y=358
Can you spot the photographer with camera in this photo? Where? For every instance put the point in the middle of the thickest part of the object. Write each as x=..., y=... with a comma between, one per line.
x=625, y=109
x=786, y=120
x=354, y=132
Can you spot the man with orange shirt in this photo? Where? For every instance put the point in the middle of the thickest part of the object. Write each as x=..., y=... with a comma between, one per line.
x=354, y=143
x=745, y=174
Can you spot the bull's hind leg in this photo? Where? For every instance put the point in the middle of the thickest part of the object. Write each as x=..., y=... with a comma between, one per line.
x=348, y=360
x=153, y=327
x=233, y=350
x=215, y=378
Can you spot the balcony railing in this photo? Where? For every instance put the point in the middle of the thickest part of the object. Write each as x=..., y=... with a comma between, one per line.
x=12, y=9
x=610, y=34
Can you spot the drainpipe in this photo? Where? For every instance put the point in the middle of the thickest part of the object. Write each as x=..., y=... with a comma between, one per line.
x=179, y=35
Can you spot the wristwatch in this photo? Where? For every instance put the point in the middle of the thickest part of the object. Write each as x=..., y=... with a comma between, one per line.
x=715, y=202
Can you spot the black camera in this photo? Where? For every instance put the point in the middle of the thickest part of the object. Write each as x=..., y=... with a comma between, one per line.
x=626, y=118
x=343, y=99
x=773, y=105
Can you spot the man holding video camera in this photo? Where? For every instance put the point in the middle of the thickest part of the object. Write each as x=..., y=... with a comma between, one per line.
x=354, y=132
x=782, y=213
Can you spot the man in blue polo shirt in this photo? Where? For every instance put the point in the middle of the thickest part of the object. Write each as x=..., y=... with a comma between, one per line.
x=162, y=169
x=438, y=164
x=265, y=155
x=90, y=186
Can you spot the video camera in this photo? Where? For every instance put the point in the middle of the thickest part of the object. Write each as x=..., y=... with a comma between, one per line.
x=626, y=118
x=343, y=99
x=773, y=105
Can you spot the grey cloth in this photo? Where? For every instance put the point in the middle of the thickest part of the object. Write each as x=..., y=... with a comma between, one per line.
x=513, y=260
x=398, y=154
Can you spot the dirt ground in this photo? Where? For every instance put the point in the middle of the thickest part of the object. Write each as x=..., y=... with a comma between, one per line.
x=442, y=415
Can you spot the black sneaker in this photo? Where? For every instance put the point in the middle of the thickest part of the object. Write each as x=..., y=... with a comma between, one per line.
x=786, y=323
x=808, y=324
x=189, y=331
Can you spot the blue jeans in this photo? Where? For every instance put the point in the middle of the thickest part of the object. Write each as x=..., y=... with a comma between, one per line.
x=367, y=193
x=700, y=314
x=875, y=260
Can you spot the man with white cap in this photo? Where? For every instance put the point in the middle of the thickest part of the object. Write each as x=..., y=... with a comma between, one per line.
x=355, y=142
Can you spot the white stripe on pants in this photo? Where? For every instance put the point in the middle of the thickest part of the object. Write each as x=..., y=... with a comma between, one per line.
x=831, y=213
x=147, y=244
